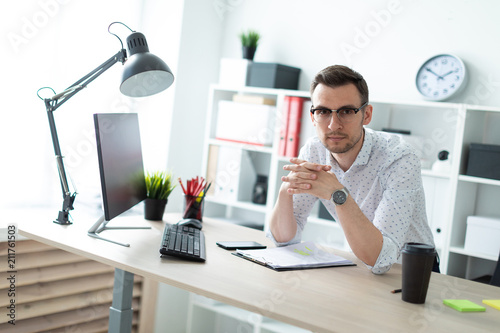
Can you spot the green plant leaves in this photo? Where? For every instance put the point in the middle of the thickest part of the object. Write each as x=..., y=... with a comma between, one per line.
x=159, y=184
x=249, y=38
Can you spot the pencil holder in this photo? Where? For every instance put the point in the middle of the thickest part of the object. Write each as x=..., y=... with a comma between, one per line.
x=193, y=207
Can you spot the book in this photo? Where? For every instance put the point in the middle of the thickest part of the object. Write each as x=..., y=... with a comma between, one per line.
x=253, y=99
x=294, y=126
x=303, y=255
x=284, y=125
x=463, y=305
x=213, y=157
x=307, y=129
x=235, y=175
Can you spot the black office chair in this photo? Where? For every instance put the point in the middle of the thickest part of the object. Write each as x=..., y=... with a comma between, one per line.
x=495, y=278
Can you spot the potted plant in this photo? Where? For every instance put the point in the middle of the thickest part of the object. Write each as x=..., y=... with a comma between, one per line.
x=159, y=185
x=249, y=42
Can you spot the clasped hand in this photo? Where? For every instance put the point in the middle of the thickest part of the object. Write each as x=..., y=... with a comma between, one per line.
x=312, y=178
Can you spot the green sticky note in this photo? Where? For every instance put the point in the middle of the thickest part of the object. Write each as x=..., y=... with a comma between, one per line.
x=493, y=303
x=463, y=305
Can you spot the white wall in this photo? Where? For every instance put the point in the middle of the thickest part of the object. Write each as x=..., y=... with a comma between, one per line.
x=199, y=54
x=54, y=43
x=385, y=40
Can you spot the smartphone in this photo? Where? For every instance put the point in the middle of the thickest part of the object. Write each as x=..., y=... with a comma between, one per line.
x=241, y=245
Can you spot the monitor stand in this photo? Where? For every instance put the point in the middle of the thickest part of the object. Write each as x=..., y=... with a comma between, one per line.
x=101, y=225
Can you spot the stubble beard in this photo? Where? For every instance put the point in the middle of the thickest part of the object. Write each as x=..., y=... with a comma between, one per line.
x=341, y=149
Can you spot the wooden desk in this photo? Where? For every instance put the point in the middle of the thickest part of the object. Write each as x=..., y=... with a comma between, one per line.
x=341, y=299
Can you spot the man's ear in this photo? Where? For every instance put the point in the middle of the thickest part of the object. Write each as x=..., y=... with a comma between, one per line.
x=367, y=116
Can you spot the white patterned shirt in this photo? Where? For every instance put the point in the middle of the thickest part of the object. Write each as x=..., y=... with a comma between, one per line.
x=385, y=181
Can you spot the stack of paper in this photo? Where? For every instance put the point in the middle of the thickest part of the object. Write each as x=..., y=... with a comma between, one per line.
x=297, y=256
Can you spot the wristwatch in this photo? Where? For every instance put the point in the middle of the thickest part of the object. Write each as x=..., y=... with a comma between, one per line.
x=339, y=197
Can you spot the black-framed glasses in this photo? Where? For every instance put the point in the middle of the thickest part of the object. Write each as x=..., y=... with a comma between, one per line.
x=345, y=115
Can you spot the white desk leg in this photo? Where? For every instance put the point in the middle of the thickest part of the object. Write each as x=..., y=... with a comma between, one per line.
x=120, y=312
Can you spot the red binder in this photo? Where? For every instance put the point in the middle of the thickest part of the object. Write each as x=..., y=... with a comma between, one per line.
x=294, y=125
x=284, y=126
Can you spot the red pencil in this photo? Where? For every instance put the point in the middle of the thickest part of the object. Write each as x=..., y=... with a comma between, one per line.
x=180, y=182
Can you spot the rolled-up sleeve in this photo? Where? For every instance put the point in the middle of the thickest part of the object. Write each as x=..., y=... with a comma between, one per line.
x=388, y=256
x=302, y=206
x=397, y=212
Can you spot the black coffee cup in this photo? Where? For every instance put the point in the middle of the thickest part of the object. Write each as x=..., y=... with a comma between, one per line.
x=418, y=260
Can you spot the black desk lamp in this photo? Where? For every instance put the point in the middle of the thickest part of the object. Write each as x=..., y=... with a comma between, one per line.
x=144, y=74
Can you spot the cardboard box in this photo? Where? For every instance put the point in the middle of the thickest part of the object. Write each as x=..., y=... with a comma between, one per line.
x=272, y=75
x=245, y=123
x=483, y=235
x=484, y=161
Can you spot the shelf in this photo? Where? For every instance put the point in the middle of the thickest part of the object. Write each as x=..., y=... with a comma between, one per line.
x=479, y=180
x=428, y=104
x=430, y=173
x=266, y=324
x=482, y=108
x=244, y=146
x=450, y=196
x=239, y=204
x=264, y=91
x=270, y=325
x=227, y=310
x=461, y=250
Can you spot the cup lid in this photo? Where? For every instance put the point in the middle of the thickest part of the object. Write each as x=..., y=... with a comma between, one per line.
x=418, y=248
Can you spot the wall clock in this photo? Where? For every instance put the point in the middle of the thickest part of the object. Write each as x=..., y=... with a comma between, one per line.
x=441, y=77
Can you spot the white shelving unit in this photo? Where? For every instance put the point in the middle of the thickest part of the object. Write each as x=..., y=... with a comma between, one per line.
x=451, y=196
x=207, y=315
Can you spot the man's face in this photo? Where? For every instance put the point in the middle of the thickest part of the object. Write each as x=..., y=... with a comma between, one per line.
x=337, y=136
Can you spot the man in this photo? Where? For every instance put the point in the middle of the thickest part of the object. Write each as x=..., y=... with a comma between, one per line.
x=369, y=181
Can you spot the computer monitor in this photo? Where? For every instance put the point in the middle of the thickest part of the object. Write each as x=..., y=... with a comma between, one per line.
x=121, y=167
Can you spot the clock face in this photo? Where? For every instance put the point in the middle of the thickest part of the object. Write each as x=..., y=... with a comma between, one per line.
x=441, y=77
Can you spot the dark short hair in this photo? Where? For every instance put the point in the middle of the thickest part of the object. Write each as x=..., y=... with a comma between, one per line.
x=339, y=75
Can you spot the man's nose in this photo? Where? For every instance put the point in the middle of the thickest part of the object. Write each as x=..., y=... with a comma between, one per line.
x=335, y=121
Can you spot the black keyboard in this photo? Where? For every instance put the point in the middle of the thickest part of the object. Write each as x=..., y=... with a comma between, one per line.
x=183, y=242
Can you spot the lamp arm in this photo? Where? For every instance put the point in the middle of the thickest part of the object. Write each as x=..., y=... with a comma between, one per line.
x=59, y=99
x=52, y=104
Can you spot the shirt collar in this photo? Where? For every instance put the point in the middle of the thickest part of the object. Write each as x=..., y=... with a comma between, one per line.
x=365, y=152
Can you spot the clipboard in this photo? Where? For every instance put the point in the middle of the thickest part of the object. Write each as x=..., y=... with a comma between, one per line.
x=304, y=255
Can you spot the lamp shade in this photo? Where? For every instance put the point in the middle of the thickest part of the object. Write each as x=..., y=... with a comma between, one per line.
x=144, y=74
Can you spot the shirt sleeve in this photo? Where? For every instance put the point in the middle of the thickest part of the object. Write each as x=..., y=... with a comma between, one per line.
x=396, y=211
x=388, y=256
x=302, y=205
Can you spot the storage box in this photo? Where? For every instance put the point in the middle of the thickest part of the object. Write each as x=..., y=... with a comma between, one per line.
x=235, y=175
x=234, y=72
x=484, y=161
x=271, y=75
x=245, y=123
x=483, y=235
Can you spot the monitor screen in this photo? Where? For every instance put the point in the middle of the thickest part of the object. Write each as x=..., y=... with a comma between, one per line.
x=120, y=162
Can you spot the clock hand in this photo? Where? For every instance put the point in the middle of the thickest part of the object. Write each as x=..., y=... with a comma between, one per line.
x=453, y=71
x=430, y=70
x=447, y=74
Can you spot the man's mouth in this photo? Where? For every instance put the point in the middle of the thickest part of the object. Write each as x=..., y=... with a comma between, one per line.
x=336, y=137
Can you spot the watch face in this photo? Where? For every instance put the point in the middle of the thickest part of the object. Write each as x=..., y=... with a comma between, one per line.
x=339, y=197
x=441, y=77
